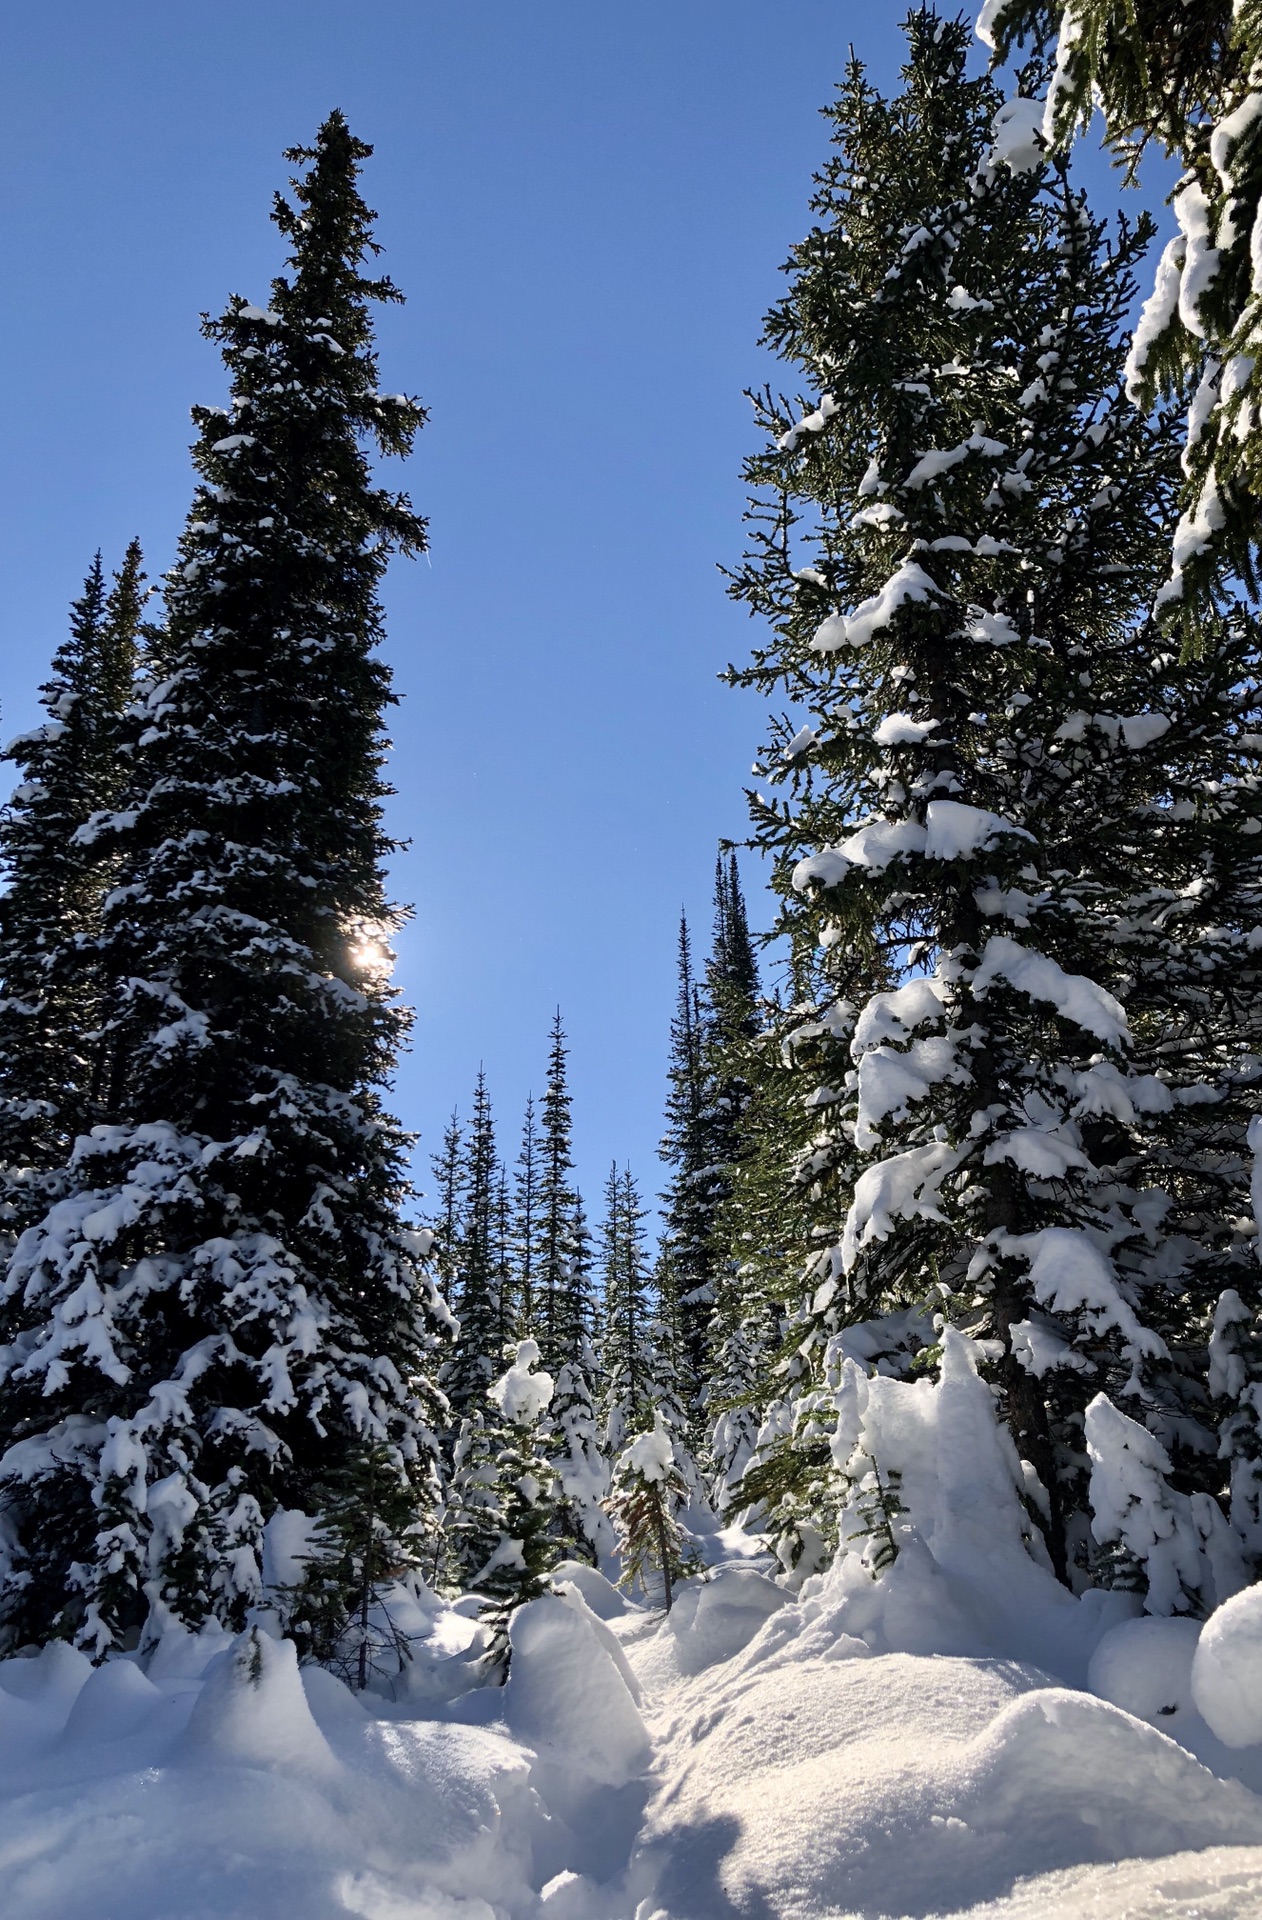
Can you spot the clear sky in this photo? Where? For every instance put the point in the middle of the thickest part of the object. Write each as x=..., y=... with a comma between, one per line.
x=586, y=204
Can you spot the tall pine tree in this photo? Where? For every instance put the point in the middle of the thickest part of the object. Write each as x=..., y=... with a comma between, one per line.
x=225, y=1310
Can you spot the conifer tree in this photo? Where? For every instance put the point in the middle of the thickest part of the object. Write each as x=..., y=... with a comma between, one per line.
x=562, y=1292
x=50, y=976
x=225, y=1311
x=578, y=1458
x=649, y=1492
x=705, y=1106
x=480, y=1300
x=526, y=1223
x=525, y=1547
x=626, y=1352
x=1185, y=77
x=686, y=1149
x=980, y=783
x=447, y=1220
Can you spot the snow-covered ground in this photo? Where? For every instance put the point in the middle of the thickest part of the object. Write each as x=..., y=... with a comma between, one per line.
x=756, y=1756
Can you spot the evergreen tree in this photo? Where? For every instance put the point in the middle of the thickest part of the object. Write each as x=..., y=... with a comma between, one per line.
x=369, y=1543
x=563, y=1292
x=525, y=1548
x=50, y=976
x=686, y=1149
x=648, y=1495
x=526, y=1222
x=578, y=1459
x=626, y=1353
x=980, y=785
x=705, y=1108
x=1185, y=77
x=482, y=1308
x=224, y=1314
x=447, y=1221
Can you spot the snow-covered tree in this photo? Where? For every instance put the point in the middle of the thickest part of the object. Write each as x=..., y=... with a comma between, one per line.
x=1185, y=78
x=526, y=1216
x=958, y=542
x=563, y=1287
x=481, y=1299
x=649, y=1493
x=525, y=1546
x=50, y=974
x=580, y=1462
x=225, y=1311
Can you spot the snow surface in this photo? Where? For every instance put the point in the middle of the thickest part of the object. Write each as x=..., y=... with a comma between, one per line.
x=920, y=1744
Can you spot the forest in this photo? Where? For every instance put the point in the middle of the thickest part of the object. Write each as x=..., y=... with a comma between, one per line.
x=870, y=1521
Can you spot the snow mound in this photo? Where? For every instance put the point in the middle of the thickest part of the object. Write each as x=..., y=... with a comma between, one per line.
x=714, y=1619
x=897, y=1785
x=1227, y=1670
x=253, y=1709
x=570, y=1694
x=1145, y=1667
x=247, y=1795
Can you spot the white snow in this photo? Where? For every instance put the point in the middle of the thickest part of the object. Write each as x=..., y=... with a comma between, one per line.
x=650, y=1454
x=1145, y=1666
x=1158, y=311
x=521, y=1394
x=958, y=1736
x=873, y=616
x=1227, y=1670
x=1020, y=142
x=957, y=832
x=899, y=729
x=1036, y=975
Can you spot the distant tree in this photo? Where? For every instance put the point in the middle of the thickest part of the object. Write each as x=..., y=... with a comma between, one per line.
x=51, y=986
x=485, y=1315
x=526, y=1221
x=626, y=1352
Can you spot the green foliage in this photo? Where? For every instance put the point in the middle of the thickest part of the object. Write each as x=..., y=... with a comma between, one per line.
x=648, y=1494
x=1185, y=77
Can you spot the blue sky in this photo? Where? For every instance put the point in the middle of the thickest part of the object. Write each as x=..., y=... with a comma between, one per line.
x=587, y=206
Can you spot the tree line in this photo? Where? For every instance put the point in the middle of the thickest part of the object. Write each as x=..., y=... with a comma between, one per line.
x=1001, y=544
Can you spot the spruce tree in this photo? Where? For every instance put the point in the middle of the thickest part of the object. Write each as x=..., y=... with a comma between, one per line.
x=704, y=1111
x=447, y=1219
x=562, y=1293
x=626, y=1350
x=1186, y=78
x=579, y=1461
x=649, y=1492
x=526, y=1222
x=959, y=543
x=57, y=872
x=686, y=1149
x=482, y=1308
x=525, y=1547
x=225, y=1312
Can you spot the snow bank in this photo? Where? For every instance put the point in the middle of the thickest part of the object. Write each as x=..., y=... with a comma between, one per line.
x=569, y=1694
x=250, y=1791
x=1227, y=1670
x=828, y=1783
x=871, y=1747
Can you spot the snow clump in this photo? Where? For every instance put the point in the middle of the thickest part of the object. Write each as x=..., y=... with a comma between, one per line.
x=1227, y=1670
